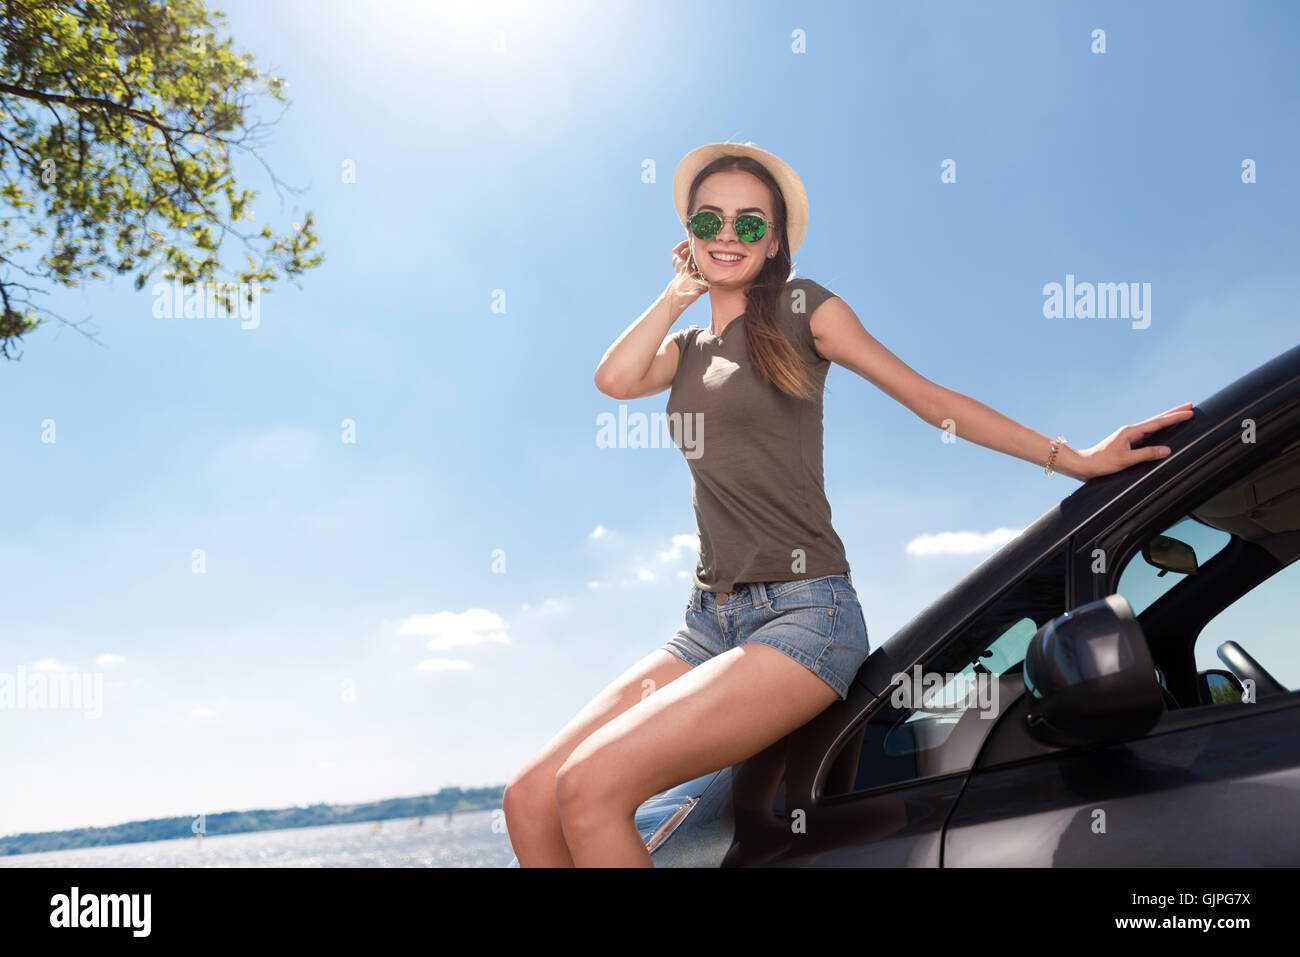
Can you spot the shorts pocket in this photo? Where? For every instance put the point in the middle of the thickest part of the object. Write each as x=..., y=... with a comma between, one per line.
x=776, y=589
x=811, y=604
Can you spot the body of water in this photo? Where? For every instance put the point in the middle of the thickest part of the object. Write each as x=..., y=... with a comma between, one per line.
x=464, y=840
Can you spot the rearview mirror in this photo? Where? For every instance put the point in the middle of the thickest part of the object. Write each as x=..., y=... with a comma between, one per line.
x=1090, y=677
x=1170, y=555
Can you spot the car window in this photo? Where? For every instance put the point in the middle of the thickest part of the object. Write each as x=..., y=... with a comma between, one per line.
x=1006, y=651
x=1212, y=593
x=1010, y=647
x=1142, y=582
x=936, y=721
x=1265, y=622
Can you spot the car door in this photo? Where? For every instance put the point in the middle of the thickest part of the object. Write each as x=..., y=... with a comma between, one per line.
x=898, y=765
x=1213, y=783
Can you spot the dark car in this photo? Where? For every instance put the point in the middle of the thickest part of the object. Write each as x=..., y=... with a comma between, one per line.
x=1113, y=687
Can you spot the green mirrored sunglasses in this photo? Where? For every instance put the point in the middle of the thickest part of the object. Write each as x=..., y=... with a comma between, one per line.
x=749, y=228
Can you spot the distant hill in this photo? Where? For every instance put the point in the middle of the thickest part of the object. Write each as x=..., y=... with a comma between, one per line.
x=446, y=801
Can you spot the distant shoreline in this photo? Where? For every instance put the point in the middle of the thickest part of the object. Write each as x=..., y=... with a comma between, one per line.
x=444, y=802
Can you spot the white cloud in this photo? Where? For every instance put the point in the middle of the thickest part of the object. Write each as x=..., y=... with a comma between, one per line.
x=108, y=658
x=600, y=531
x=593, y=584
x=49, y=664
x=444, y=664
x=203, y=713
x=689, y=543
x=645, y=575
x=548, y=604
x=447, y=629
x=961, y=543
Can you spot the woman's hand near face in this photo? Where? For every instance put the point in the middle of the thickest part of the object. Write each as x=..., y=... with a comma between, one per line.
x=687, y=284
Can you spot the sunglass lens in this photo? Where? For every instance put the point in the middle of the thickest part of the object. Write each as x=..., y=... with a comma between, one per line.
x=705, y=225
x=750, y=228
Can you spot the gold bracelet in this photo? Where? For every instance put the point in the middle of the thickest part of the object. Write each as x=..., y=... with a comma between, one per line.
x=1060, y=440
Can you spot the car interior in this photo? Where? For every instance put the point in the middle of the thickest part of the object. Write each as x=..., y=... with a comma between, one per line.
x=1258, y=517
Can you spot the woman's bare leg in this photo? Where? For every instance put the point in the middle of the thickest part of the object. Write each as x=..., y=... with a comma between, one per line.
x=726, y=710
x=531, y=810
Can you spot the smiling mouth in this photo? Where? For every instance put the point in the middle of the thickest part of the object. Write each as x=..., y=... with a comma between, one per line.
x=727, y=261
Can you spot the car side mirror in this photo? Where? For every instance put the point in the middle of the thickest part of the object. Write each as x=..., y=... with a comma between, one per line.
x=1217, y=686
x=1090, y=677
x=1170, y=555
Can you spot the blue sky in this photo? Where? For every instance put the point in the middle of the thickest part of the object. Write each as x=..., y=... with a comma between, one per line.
x=298, y=667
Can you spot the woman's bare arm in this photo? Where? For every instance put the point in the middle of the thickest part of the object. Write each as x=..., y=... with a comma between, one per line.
x=643, y=360
x=839, y=336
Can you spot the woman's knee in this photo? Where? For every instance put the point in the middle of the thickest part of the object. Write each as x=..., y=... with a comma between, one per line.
x=573, y=793
x=586, y=793
x=528, y=794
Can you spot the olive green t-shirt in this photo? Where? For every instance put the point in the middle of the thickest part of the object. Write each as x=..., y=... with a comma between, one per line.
x=755, y=453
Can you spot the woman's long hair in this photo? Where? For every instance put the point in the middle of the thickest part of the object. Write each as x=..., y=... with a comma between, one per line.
x=770, y=352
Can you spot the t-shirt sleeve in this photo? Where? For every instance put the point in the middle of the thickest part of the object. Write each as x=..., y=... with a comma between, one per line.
x=801, y=299
x=682, y=337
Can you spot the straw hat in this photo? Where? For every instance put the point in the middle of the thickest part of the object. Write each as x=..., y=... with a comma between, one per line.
x=796, y=200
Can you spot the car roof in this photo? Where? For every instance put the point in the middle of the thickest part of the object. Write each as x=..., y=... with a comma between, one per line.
x=1055, y=526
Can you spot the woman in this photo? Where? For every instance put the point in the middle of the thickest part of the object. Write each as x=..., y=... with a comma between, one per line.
x=774, y=632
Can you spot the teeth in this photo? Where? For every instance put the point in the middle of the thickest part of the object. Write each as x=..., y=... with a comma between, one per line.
x=727, y=257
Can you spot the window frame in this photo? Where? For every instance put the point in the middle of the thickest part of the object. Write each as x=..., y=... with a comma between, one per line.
x=1121, y=535
x=1201, y=561
x=1225, y=461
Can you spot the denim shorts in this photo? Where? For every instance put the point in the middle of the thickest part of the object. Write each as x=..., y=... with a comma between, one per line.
x=816, y=621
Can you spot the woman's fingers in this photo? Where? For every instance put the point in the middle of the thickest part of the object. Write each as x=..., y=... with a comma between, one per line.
x=1180, y=410
x=1158, y=422
x=1148, y=452
x=681, y=255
